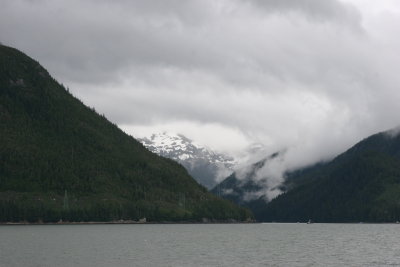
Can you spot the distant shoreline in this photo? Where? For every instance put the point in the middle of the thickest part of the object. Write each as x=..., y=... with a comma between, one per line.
x=166, y=222
x=117, y=222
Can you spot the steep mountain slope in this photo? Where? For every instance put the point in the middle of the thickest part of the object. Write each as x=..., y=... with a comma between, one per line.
x=362, y=184
x=243, y=185
x=204, y=165
x=249, y=186
x=61, y=160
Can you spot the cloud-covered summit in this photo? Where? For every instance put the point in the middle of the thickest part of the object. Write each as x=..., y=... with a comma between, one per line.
x=309, y=76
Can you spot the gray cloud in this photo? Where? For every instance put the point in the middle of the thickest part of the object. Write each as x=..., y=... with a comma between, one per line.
x=320, y=11
x=312, y=77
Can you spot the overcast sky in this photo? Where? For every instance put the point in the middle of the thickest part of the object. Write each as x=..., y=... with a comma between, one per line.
x=309, y=76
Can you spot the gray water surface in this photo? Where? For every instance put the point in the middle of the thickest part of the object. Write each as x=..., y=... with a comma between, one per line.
x=201, y=245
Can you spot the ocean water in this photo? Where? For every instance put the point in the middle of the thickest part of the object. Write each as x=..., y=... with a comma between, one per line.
x=201, y=245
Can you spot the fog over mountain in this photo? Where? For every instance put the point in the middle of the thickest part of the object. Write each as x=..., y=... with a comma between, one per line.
x=309, y=77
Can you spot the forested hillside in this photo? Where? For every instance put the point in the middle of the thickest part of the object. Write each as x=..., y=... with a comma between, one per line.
x=362, y=184
x=59, y=159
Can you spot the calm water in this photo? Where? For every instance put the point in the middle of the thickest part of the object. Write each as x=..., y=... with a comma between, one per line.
x=201, y=245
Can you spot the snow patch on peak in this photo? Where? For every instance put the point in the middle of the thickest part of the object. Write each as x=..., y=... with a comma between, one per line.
x=205, y=165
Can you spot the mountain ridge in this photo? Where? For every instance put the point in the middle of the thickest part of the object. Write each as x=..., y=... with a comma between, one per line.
x=205, y=165
x=360, y=184
x=59, y=159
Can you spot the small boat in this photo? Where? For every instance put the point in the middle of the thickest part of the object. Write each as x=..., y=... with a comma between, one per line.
x=309, y=221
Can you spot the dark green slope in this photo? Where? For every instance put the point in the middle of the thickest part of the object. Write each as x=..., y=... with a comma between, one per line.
x=60, y=159
x=235, y=189
x=362, y=184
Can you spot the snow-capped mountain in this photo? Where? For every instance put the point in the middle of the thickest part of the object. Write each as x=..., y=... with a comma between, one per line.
x=205, y=165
